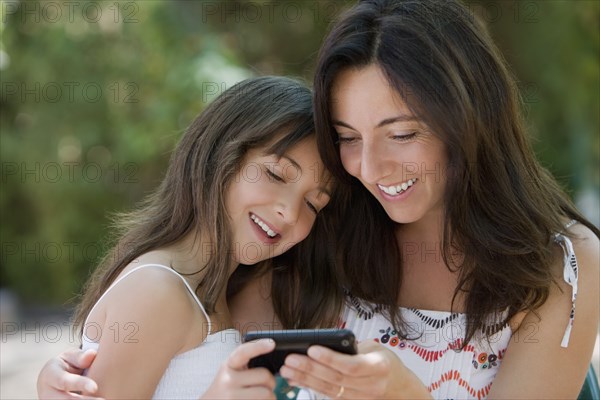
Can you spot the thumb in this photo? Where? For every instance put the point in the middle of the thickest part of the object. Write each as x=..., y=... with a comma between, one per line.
x=368, y=346
x=78, y=359
x=87, y=358
x=243, y=354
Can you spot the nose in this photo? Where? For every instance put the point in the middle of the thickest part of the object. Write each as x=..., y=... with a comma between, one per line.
x=288, y=208
x=374, y=164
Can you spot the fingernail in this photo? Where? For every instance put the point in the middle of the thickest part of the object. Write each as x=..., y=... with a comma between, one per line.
x=91, y=387
x=315, y=352
x=292, y=361
x=88, y=352
x=286, y=372
x=266, y=342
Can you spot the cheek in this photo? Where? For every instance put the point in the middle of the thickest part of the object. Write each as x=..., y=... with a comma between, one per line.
x=303, y=228
x=350, y=160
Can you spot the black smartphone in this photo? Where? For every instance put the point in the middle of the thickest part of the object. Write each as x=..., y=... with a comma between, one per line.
x=298, y=341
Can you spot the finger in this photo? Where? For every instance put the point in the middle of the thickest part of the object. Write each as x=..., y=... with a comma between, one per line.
x=78, y=358
x=243, y=354
x=372, y=363
x=329, y=389
x=322, y=378
x=255, y=377
x=77, y=396
x=55, y=394
x=368, y=346
x=68, y=382
x=256, y=393
x=304, y=365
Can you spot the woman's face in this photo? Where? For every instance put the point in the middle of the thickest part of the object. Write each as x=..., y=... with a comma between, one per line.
x=273, y=202
x=386, y=147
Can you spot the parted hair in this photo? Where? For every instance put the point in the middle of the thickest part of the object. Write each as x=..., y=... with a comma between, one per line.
x=275, y=112
x=502, y=207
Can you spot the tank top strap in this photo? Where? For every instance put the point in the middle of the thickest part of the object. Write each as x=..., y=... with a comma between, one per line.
x=187, y=285
x=570, y=275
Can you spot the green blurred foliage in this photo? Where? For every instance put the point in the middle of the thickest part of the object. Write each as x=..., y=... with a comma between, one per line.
x=554, y=49
x=94, y=99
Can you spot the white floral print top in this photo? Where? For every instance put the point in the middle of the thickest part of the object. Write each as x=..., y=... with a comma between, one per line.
x=433, y=351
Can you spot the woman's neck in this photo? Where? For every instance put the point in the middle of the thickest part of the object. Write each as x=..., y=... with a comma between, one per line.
x=428, y=229
x=427, y=281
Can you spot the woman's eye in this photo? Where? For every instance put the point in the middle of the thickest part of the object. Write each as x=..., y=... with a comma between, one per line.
x=346, y=140
x=273, y=175
x=312, y=207
x=405, y=138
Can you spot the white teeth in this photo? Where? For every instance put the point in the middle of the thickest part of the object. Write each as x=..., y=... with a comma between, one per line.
x=262, y=225
x=395, y=190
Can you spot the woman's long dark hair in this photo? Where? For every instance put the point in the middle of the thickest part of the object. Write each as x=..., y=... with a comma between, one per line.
x=501, y=207
x=269, y=111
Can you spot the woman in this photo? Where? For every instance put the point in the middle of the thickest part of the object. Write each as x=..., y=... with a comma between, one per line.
x=456, y=244
x=480, y=268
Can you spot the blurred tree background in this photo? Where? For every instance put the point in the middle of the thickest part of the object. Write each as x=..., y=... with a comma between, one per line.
x=94, y=95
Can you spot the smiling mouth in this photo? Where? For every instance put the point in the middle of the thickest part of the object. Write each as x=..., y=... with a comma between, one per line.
x=271, y=234
x=396, y=190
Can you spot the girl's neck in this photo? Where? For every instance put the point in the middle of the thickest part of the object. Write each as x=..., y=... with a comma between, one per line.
x=188, y=256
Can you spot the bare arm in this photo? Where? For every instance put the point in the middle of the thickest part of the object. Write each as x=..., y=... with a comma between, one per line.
x=147, y=318
x=62, y=374
x=540, y=367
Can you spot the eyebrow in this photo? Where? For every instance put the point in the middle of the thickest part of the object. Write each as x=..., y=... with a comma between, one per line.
x=387, y=121
x=295, y=164
x=325, y=190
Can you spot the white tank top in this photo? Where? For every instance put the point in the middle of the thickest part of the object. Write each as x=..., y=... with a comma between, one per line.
x=189, y=374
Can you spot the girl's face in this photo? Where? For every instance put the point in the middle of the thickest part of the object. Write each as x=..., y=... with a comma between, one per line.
x=386, y=147
x=273, y=202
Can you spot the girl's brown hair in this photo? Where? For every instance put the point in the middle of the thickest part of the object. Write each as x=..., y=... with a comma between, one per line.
x=268, y=111
x=501, y=207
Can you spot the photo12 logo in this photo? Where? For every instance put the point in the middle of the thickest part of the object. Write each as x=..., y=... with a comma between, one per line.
x=52, y=12
x=69, y=92
x=290, y=12
x=71, y=172
x=54, y=332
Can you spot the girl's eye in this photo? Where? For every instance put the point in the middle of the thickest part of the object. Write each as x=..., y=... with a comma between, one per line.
x=312, y=207
x=404, y=138
x=273, y=175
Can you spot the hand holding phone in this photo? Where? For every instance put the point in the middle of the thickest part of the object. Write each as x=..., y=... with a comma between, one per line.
x=298, y=341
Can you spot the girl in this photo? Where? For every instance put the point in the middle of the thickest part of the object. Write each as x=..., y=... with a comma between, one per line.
x=244, y=184
x=461, y=254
